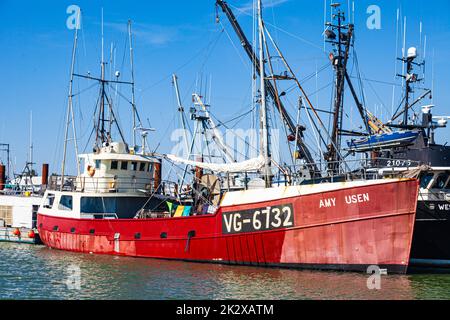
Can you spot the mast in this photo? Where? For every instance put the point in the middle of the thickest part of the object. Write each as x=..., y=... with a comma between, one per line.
x=102, y=135
x=30, y=159
x=181, y=111
x=410, y=77
x=339, y=61
x=340, y=35
x=70, y=112
x=264, y=126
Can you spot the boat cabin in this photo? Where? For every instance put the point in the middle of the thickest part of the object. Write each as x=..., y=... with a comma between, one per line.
x=83, y=205
x=113, y=169
x=435, y=184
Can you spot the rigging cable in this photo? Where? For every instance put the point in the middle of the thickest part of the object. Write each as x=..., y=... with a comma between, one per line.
x=282, y=30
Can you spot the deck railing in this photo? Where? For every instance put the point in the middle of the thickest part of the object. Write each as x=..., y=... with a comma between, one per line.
x=17, y=190
x=349, y=170
x=111, y=185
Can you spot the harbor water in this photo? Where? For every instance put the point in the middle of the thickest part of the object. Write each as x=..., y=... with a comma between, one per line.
x=36, y=272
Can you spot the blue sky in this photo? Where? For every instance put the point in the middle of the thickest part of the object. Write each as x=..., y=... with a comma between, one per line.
x=183, y=37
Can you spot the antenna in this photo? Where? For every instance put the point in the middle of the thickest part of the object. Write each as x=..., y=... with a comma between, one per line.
x=425, y=48
x=133, y=98
x=349, y=10
x=103, y=40
x=324, y=22
x=420, y=34
x=404, y=47
x=432, y=78
x=396, y=65
x=424, y=57
x=353, y=12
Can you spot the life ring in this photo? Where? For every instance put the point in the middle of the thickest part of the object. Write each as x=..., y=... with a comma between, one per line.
x=91, y=171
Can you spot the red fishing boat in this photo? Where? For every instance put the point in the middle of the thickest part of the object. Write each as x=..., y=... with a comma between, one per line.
x=341, y=226
x=118, y=205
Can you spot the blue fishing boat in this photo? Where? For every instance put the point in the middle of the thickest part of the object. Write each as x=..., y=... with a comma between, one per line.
x=394, y=139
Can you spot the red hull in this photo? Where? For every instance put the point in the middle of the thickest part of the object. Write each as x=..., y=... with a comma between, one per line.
x=350, y=234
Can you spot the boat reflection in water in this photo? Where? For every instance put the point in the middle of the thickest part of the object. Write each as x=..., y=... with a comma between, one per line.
x=40, y=273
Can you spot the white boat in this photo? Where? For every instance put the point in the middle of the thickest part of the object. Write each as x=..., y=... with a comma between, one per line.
x=19, y=202
x=18, y=218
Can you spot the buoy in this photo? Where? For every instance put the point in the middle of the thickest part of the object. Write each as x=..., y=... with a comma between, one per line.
x=91, y=171
x=16, y=232
x=31, y=234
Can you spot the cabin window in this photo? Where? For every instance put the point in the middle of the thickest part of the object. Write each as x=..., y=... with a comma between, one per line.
x=425, y=180
x=48, y=204
x=66, y=203
x=124, y=165
x=134, y=166
x=441, y=181
x=150, y=167
x=114, y=165
x=6, y=215
x=142, y=166
x=98, y=205
x=97, y=164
